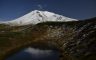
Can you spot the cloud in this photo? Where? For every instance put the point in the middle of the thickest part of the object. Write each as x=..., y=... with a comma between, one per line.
x=40, y=6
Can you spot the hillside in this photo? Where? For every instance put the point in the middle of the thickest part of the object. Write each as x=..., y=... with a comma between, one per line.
x=75, y=40
x=36, y=16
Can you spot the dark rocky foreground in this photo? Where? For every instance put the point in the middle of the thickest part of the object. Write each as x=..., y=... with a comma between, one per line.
x=74, y=40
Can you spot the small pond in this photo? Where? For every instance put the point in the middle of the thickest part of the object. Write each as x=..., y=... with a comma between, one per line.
x=35, y=54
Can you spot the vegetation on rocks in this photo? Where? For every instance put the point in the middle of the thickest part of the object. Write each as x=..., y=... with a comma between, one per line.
x=74, y=40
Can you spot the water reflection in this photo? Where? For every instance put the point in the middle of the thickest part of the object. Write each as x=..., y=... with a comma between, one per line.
x=35, y=54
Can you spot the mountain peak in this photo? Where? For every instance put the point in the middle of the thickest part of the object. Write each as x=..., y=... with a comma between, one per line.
x=36, y=11
x=42, y=12
x=37, y=16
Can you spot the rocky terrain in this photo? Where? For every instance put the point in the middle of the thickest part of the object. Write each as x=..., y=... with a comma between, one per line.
x=75, y=40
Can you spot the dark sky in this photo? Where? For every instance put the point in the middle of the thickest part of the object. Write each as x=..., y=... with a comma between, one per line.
x=78, y=9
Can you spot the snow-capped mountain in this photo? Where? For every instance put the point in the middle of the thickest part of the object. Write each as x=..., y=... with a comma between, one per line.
x=37, y=16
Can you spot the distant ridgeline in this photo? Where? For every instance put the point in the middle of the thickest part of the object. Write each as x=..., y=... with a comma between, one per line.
x=75, y=40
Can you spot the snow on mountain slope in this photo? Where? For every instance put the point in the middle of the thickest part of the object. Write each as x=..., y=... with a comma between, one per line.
x=37, y=16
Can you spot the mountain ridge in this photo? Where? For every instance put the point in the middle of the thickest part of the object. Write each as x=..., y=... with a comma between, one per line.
x=75, y=40
x=37, y=16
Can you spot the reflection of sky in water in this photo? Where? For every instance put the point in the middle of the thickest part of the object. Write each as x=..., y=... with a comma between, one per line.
x=35, y=54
